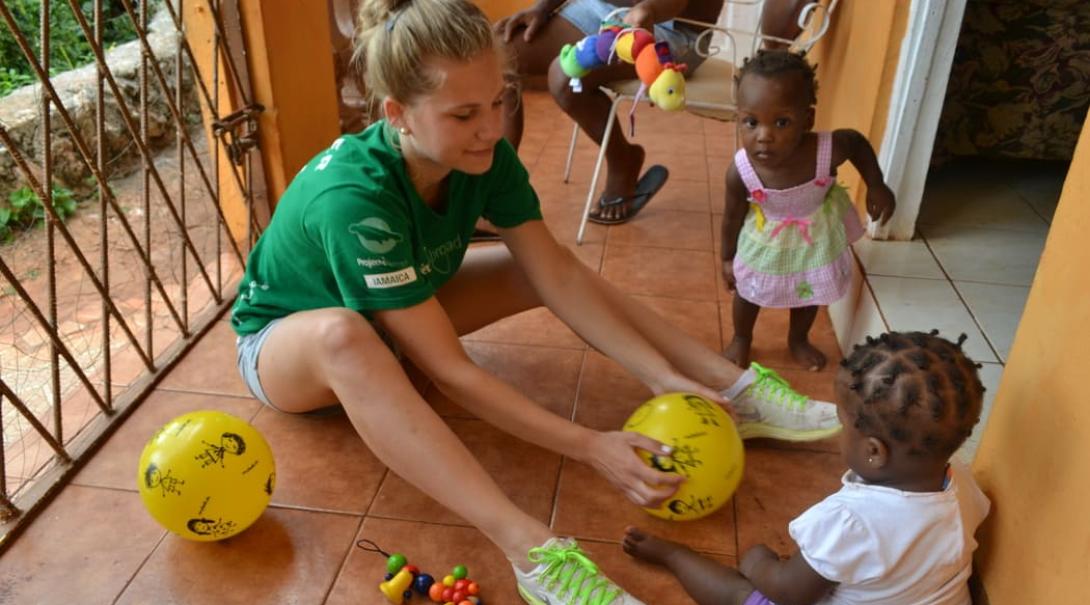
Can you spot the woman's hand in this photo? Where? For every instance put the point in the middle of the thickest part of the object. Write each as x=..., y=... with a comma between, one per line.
x=677, y=383
x=613, y=455
x=532, y=19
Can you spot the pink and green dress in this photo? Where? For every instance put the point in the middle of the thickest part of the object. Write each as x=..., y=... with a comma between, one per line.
x=794, y=249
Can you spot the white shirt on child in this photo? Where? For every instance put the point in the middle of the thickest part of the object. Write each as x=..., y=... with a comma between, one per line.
x=884, y=545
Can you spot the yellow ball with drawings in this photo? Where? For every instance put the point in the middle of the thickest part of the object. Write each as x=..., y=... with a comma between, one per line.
x=707, y=451
x=206, y=475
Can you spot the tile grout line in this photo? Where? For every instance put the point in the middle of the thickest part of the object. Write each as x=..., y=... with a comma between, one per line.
x=344, y=560
x=964, y=304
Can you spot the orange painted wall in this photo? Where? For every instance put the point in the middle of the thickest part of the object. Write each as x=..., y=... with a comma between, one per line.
x=1034, y=457
x=856, y=65
x=496, y=9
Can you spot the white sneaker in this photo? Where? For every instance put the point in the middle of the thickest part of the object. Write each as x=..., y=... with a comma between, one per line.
x=565, y=576
x=769, y=407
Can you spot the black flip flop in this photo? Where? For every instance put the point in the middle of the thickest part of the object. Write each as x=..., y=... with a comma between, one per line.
x=646, y=188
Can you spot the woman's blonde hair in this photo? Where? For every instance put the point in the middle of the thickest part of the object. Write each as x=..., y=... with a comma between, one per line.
x=395, y=37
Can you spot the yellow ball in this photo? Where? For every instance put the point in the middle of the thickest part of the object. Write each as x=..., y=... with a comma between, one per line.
x=206, y=475
x=706, y=450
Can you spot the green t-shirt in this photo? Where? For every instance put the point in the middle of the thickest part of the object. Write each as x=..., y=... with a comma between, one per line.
x=351, y=231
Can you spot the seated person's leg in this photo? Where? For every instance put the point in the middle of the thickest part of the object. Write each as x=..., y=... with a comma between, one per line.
x=532, y=58
x=780, y=19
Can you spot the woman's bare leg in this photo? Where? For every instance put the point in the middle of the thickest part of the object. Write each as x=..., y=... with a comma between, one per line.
x=315, y=358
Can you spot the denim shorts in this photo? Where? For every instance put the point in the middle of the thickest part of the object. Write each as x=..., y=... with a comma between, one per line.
x=587, y=15
x=249, y=349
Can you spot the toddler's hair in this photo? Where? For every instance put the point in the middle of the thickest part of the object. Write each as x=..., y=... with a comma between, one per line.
x=777, y=62
x=395, y=37
x=916, y=389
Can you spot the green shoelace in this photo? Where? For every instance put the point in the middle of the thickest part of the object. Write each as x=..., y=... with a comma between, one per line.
x=577, y=577
x=773, y=387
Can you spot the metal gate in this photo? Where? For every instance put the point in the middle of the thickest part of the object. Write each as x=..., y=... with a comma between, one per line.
x=101, y=300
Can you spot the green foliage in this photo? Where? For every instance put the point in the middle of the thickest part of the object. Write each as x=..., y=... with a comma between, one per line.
x=68, y=47
x=23, y=210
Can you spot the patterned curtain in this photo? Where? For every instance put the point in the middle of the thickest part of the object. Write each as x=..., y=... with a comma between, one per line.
x=1020, y=83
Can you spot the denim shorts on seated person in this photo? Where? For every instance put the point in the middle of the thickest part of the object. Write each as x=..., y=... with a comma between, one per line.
x=587, y=15
x=249, y=350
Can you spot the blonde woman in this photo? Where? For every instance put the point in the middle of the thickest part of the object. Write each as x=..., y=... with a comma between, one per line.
x=367, y=259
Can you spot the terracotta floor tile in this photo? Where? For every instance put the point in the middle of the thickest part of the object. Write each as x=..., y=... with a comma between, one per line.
x=718, y=130
x=686, y=274
x=590, y=255
x=321, y=462
x=608, y=394
x=657, y=126
x=699, y=319
x=114, y=465
x=778, y=486
x=770, y=337
x=210, y=367
x=435, y=549
x=683, y=167
x=649, y=583
x=583, y=492
x=83, y=548
x=535, y=327
x=525, y=472
x=551, y=162
x=549, y=376
x=287, y=556
x=563, y=222
x=665, y=229
x=690, y=196
x=717, y=167
x=691, y=144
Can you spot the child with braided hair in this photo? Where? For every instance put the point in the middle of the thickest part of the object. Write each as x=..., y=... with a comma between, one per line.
x=900, y=530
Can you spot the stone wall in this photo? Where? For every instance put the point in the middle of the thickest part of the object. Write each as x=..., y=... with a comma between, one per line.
x=20, y=113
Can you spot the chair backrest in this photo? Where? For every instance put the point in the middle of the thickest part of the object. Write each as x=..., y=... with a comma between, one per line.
x=740, y=30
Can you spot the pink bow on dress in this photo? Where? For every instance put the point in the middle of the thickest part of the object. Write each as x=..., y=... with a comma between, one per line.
x=802, y=224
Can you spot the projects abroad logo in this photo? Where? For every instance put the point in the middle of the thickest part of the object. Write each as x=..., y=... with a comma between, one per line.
x=375, y=235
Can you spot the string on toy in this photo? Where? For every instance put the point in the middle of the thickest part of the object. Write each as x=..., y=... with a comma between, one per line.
x=372, y=547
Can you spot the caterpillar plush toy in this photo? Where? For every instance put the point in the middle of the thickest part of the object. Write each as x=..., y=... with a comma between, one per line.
x=660, y=76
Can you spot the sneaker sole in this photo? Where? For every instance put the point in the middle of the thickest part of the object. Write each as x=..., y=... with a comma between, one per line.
x=767, y=431
x=529, y=598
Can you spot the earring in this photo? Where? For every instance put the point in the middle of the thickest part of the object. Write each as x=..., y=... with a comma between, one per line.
x=403, y=130
x=870, y=460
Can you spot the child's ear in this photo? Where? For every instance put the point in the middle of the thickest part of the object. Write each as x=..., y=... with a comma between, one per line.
x=810, y=113
x=877, y=453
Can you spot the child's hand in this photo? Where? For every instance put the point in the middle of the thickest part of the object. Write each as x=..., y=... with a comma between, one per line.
x=728, y=275
x=881, y=203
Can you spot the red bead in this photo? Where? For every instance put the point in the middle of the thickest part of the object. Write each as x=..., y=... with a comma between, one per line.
x=460, y=584
x=414, y=570
x=458, y=596
x=448, y=592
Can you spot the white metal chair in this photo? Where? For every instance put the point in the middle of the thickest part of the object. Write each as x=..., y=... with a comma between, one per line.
x=709, y=91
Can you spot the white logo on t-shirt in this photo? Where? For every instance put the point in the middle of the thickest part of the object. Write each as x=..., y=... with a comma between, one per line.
x=375, y=235
x=390, y=280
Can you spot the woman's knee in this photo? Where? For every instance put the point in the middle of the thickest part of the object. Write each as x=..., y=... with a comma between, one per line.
x=342, y=331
